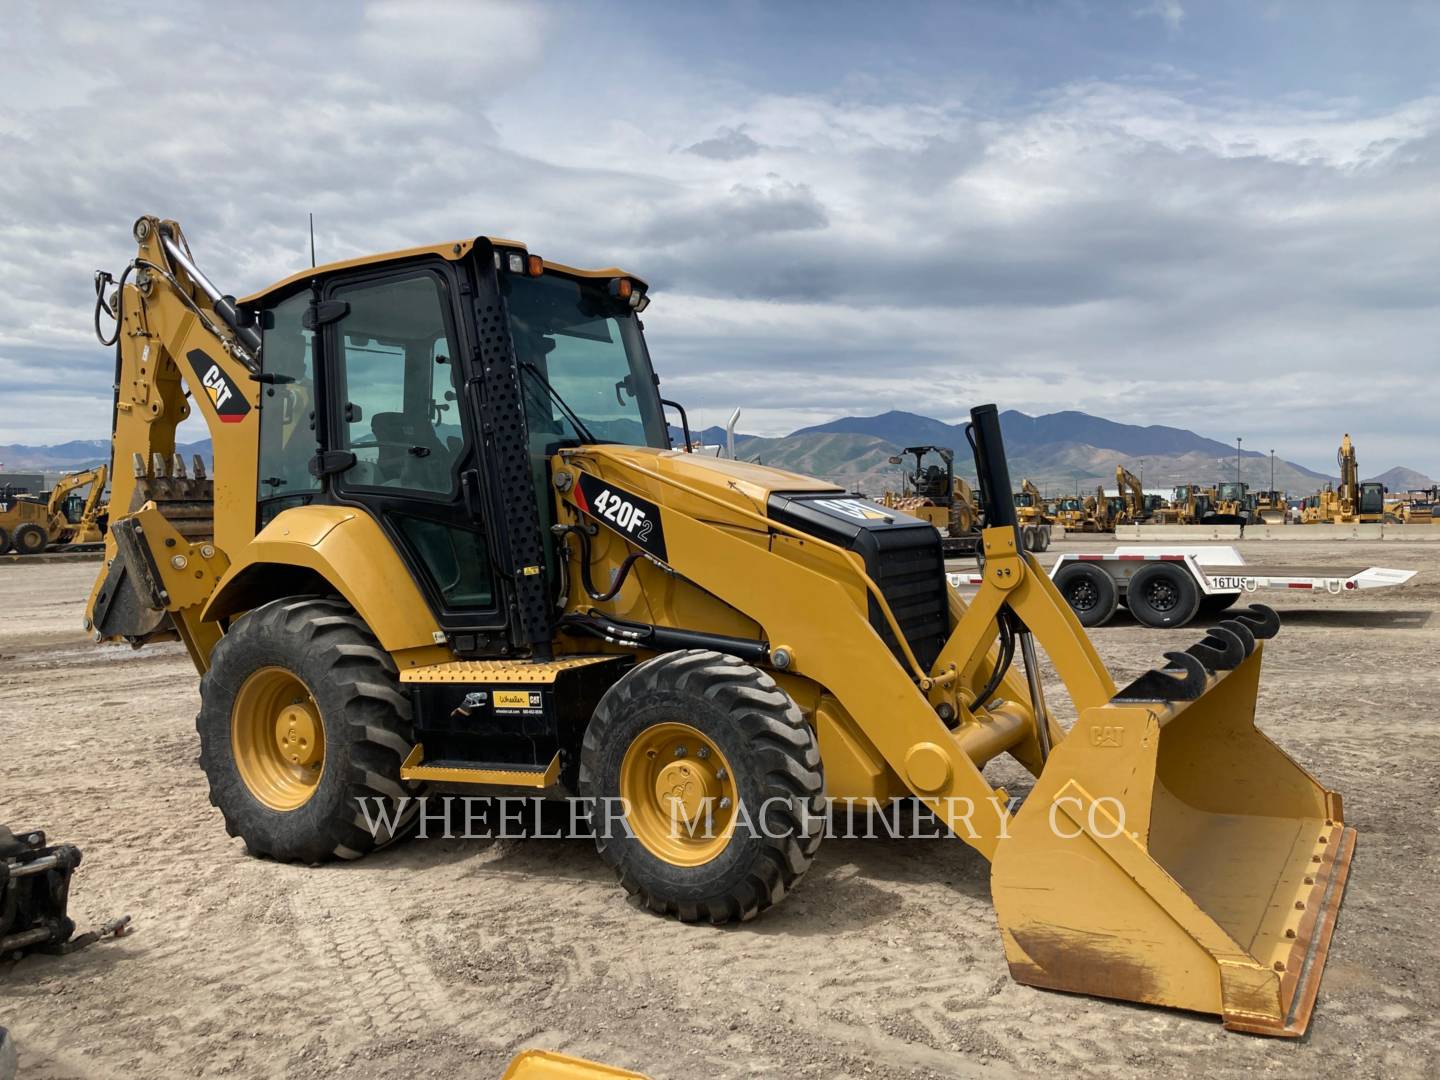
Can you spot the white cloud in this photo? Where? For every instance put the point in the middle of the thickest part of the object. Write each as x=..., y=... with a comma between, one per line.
x=1160, y=252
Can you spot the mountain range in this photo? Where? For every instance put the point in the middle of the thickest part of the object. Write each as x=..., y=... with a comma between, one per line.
x=1060, y=452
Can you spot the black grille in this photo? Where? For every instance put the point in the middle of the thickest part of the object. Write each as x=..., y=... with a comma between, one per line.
x=912, y=578
x=903, y=556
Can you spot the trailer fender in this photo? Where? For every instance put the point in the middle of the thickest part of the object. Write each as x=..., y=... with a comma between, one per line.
x=331, y=549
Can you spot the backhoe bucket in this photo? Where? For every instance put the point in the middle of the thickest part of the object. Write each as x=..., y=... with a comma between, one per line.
x=1172, y=854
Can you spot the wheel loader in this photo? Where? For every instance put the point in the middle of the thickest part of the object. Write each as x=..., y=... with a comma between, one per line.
x=447, y=545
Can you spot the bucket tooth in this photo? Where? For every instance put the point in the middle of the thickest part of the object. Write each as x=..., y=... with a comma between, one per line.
x=1184, y=680
x=1222, y=649
x=157, y=465
x=177, y=466
x=137, y=465
x=198, y=466
x=1262, y=621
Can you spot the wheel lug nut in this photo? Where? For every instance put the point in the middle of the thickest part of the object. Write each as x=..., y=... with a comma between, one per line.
x=725, y=803
x=703, y=752
x=720, y=774
x=679, y=751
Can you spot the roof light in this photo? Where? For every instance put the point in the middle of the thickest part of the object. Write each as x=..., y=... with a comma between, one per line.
x=517, y=262
x=535, y=265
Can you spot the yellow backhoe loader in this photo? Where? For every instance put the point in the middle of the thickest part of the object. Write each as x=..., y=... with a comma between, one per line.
x=448, y=545
x=30, y=526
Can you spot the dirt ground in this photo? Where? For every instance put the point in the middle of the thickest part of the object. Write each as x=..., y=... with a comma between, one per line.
x=444, y=958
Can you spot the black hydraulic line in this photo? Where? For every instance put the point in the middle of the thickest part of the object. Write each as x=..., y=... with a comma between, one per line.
x=665, y=638
x=585, y=580
x=1002, y=662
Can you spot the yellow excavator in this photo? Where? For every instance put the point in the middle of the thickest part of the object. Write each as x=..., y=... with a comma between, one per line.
x=449, y=546
x=30, y=525
x=1350, y=503
x=1133, y=510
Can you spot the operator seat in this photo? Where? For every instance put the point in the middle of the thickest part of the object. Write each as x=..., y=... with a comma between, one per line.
x=410, y=454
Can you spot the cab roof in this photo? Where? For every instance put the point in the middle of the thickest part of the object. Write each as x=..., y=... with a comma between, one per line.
x=455, y=250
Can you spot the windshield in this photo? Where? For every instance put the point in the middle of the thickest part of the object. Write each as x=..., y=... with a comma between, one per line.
x=1231, y=492
x=589, y=348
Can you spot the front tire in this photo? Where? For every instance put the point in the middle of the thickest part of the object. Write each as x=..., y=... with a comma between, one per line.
x=301, y=718
x=692, y=733
x=30, y=539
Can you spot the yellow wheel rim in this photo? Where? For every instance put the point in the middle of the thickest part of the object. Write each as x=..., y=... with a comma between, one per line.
x=680, y=794
x=278, y=738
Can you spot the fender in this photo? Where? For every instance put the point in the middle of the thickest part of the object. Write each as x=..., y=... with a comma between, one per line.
x=344, y=547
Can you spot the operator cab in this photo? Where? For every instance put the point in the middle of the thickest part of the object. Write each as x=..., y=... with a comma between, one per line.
x=1372, y=498
x=397, y=385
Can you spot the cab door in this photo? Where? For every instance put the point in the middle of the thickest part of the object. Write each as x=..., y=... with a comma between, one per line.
x=404, y=446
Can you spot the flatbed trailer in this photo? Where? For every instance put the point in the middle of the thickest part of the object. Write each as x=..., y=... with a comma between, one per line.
x=1168, y=586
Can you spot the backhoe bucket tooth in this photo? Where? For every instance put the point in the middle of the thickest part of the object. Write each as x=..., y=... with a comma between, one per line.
x=1172, y=854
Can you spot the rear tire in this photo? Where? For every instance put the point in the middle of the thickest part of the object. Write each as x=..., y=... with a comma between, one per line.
x=30, y=539
x=660, y=717
x=347, y=698
x=1089, y=591
x=1162, y=595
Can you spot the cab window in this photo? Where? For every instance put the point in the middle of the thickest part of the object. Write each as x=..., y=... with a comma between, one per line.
x=398, y=386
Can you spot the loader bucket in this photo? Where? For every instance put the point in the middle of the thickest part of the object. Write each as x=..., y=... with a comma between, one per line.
x=1172, y=854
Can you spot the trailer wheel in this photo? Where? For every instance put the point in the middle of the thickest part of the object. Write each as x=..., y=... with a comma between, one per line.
x=1215, y=603
x=1163, y=595
x=707, y=785
x=30, y=539
x=302, y=729
x=1089, y=592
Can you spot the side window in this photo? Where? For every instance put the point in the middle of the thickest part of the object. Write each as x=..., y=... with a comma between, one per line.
x=399, y=416
x=287, y=406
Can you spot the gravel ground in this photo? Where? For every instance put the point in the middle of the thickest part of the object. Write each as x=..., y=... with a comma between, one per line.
x=444, y=957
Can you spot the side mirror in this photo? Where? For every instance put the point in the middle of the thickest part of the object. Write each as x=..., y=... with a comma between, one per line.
x=896, y=459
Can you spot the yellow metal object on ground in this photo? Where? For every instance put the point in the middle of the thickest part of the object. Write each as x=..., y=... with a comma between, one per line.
x=680, y=794
x=279, y=738
x=548, y=1065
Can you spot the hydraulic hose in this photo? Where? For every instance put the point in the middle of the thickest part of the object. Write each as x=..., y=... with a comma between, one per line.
x=585, y=580
x=1002, y=663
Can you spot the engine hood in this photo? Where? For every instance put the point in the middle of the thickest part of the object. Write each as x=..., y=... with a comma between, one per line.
x=741, y=484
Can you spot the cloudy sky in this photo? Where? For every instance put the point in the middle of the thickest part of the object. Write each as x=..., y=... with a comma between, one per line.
x=1218, y=215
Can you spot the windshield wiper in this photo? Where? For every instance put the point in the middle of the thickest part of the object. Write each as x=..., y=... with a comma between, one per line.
x=575, y=421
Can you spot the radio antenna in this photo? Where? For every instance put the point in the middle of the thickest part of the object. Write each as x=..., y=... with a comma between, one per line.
x=312, y=241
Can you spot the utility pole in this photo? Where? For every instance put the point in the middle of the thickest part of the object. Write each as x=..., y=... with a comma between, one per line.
x=1142, y=476
x=1237, y=459
x=1272, y=473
